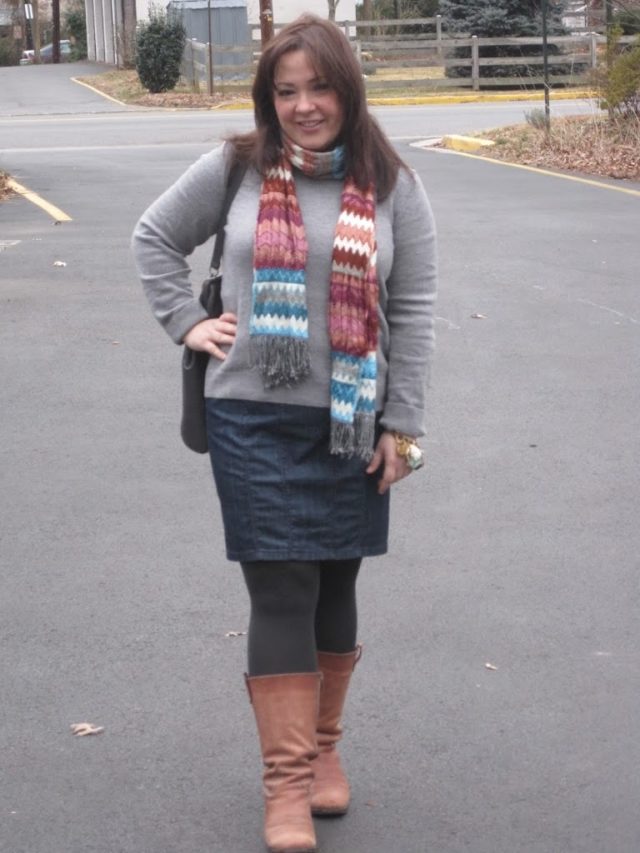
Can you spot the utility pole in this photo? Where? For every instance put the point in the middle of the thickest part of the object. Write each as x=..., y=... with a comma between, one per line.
x=28, y=22
x=608, y=15
x=36, y=30
x=608, y=22
x=266, y=22
x=545, y=68
x=367, y=14
x=55, y=38
x=209, y=51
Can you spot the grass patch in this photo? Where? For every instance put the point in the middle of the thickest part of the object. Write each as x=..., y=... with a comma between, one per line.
x=591, y=144
x=387, y=83
x=125, y=86
x=408, y=74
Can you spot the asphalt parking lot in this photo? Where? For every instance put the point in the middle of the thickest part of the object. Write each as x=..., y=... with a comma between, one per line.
x=517, y=546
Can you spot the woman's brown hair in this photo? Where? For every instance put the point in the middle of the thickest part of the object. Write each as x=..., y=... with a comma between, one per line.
x=370, y=157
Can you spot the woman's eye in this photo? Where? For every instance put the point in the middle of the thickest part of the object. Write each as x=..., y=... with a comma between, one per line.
x=284, y=93
x=321, y=87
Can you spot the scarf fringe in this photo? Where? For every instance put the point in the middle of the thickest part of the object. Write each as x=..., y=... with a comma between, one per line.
x=281, y=361
x=356, y=439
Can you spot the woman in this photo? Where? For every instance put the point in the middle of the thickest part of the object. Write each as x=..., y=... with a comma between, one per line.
x=315, y=385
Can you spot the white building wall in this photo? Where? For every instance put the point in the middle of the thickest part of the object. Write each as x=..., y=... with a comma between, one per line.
x=283, y=10
x=101, y=31
x=142, y=10
x=287, y=10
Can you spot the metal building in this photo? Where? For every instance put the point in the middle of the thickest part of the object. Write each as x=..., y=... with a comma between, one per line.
x=224, y=23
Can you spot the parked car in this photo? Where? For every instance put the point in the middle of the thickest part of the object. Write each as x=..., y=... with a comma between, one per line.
x=46, y=53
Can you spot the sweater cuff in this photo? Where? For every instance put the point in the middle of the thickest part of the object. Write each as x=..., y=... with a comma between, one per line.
x=404, y=419
x=185, y=318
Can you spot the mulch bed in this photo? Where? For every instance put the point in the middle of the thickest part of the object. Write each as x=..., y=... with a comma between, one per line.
x=587, y=144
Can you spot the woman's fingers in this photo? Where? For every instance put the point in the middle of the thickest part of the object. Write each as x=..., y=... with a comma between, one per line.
x=376, y=459
x=210, y=335
x=394, y=466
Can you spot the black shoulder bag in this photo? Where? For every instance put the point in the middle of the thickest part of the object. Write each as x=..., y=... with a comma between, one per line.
x=193, y=427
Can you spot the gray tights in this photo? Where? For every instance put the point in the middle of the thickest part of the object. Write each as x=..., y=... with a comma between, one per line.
x=298, y=608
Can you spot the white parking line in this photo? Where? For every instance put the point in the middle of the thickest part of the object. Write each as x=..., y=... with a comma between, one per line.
x=7, y=244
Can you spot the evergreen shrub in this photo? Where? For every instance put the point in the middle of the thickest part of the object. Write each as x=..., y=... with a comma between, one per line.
x=620, y=82
x=504, y=19
x=628, y=20
x=75, y=20
x=159, y=45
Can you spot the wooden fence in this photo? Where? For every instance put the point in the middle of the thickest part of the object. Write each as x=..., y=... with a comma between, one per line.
x=207, y=67
x=389, y=49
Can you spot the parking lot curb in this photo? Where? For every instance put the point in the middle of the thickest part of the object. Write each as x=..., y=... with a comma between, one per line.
x=480, y=97
x=466, y=143
x=99, y=92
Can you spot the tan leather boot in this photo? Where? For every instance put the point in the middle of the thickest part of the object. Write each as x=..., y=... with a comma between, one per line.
x=286, y=711
x=330, y=792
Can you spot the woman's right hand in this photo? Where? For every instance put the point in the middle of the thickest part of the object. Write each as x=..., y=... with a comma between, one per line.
x=210, y=335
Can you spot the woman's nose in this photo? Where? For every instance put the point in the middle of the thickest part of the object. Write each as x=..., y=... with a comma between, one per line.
x=304, y=103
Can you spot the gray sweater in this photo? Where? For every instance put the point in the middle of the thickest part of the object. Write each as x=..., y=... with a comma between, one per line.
x=187, y=214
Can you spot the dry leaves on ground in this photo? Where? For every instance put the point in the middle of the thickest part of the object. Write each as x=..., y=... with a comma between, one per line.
x=5, y=190
x=84, y=729
x=189, y=100
x=124, y=85
x=588, y=144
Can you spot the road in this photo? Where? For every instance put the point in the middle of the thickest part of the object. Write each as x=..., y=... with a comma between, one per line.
x=518, y=546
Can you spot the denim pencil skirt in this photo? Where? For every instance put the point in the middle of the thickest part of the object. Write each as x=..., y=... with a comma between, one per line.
x=283, y=495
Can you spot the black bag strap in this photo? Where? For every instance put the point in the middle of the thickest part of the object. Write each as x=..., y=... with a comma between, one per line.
x=236, y=175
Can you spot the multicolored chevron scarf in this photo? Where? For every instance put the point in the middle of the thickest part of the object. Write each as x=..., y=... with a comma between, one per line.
x=279, y=321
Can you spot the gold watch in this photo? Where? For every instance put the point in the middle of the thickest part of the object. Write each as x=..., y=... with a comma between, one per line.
x=407, y=447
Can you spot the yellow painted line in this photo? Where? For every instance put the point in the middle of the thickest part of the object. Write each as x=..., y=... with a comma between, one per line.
x=34, y=198
x=477, y=97
x=98, y=92
x=588, y=181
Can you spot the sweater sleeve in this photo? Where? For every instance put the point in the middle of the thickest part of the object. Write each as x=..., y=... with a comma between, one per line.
x=183, y=217
x=411, y=292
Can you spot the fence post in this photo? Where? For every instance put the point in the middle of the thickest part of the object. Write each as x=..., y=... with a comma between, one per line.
x=209, y=68
x=439, y=36
x=195, y=83
x=594, y=49
x=475, y=63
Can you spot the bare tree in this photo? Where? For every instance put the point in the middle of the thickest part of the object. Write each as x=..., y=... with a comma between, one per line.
x=332, y=9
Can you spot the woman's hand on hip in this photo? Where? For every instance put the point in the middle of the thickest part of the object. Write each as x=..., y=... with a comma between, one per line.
x=394, y=467
x=210, y=335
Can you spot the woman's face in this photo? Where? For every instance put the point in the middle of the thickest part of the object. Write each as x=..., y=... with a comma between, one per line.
x=308, y=109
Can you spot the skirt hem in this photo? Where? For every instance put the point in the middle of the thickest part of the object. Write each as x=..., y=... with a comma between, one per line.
x=260, y=555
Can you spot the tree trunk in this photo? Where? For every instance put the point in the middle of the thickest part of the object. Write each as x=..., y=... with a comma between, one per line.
x=128, y=47
x=367, y=14
x=36, y=31
x=55, y=37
